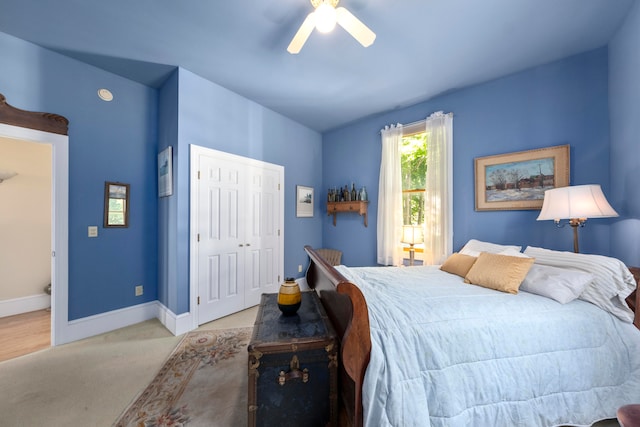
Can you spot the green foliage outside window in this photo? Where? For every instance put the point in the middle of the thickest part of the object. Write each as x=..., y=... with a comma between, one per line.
x=414, y=171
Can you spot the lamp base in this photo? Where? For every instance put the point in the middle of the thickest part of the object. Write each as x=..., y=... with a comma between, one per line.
x=575, y=223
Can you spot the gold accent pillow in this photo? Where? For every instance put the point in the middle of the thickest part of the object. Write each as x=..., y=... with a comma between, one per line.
x=458, y=264
x=500, y=272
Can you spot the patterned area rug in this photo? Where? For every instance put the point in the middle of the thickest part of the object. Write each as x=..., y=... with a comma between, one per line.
x=202, y=383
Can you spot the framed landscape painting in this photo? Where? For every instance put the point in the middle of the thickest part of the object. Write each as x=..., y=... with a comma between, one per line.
x=517, y=181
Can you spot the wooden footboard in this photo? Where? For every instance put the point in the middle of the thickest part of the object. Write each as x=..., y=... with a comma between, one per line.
x=347, y=309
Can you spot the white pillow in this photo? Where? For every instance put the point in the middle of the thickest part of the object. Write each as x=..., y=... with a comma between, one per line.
x=473, y=247
x=560, y=284
x=513, y=252
x=612, y=280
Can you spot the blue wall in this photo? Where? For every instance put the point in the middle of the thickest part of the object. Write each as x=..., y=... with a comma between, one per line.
x=624, y=103
x=108, y=141
x=168, y=206
x=119, y=141
x=214, y=117
x=565, y=102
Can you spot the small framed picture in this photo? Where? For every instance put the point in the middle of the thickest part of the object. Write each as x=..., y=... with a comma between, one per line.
x=304, y=201
x=116, y=205
x=165, y=172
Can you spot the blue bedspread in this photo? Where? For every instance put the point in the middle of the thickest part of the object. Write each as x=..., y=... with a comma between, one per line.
x=446, y=353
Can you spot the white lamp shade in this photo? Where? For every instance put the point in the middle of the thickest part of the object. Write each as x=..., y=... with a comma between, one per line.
x=578, y=201
x=412, y=234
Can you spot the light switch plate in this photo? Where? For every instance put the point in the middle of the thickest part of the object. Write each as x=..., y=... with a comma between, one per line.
x=93, y=231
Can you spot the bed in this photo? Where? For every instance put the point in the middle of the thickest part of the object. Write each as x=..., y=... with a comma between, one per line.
x=419, y=346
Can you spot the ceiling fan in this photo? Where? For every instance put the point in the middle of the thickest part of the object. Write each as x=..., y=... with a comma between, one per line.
x=324, y=18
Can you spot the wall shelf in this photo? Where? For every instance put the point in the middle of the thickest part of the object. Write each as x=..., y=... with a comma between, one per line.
x=359, y=207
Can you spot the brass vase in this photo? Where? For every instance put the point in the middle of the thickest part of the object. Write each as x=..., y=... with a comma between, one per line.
x=289, y=297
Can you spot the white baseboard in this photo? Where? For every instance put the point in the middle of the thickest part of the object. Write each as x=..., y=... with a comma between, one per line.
x=176, y=324
x=15, y=306
x=116, y=319
x=106, y=322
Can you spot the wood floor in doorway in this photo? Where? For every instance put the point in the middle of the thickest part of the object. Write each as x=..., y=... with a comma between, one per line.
x=24, y=333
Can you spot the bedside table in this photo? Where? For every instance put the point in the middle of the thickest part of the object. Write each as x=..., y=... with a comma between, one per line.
x=293, y=366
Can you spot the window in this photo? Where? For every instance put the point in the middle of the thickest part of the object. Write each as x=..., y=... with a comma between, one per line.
x=414, y=170
x=428, y=177
x=413, y=158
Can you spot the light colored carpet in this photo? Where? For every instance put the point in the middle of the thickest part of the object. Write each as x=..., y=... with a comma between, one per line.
x=90, y=382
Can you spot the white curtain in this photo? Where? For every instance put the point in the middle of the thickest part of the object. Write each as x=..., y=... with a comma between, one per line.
x=438, y=197
x=390, y=198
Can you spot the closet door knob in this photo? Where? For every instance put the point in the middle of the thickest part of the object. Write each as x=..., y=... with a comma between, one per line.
x=248, y=244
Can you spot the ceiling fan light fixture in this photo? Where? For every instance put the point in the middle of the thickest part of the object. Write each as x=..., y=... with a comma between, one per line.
x=325, y=17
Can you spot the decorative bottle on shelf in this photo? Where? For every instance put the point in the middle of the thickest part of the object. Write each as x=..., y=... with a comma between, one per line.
x=289, y=297
x=354, y=196
x=363, y=193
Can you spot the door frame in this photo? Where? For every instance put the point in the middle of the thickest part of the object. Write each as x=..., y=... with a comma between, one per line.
x=59, y=223
x=195, y=152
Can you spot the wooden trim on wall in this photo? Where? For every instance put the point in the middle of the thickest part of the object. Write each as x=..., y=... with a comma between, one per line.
x=46, y=122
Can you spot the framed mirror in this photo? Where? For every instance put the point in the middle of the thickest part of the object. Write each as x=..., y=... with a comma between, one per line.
x=116, y=204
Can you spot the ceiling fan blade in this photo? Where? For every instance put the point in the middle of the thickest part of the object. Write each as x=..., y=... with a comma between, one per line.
x=355, y=27
x=303, y=34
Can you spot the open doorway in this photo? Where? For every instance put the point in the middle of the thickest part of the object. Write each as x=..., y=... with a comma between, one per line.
x=25, y=251
x=50, y=129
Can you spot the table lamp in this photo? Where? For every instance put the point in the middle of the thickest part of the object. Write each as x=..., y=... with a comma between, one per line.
x=575, y=203
x=412, y=235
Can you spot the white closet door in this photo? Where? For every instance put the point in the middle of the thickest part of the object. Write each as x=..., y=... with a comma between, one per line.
x=262, y=231
x=221, y=248
x=237, y=218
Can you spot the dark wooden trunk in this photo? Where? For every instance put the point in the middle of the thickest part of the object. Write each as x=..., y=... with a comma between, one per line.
x=293, y=363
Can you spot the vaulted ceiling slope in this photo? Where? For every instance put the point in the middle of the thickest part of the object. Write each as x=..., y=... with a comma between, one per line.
x=423, y=47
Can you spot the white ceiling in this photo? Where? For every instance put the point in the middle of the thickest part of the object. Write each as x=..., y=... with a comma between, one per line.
x=423, y=47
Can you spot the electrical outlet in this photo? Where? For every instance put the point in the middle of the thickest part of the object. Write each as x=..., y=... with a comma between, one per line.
x=92, y=231
x=139, y=290
x=300, y=268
